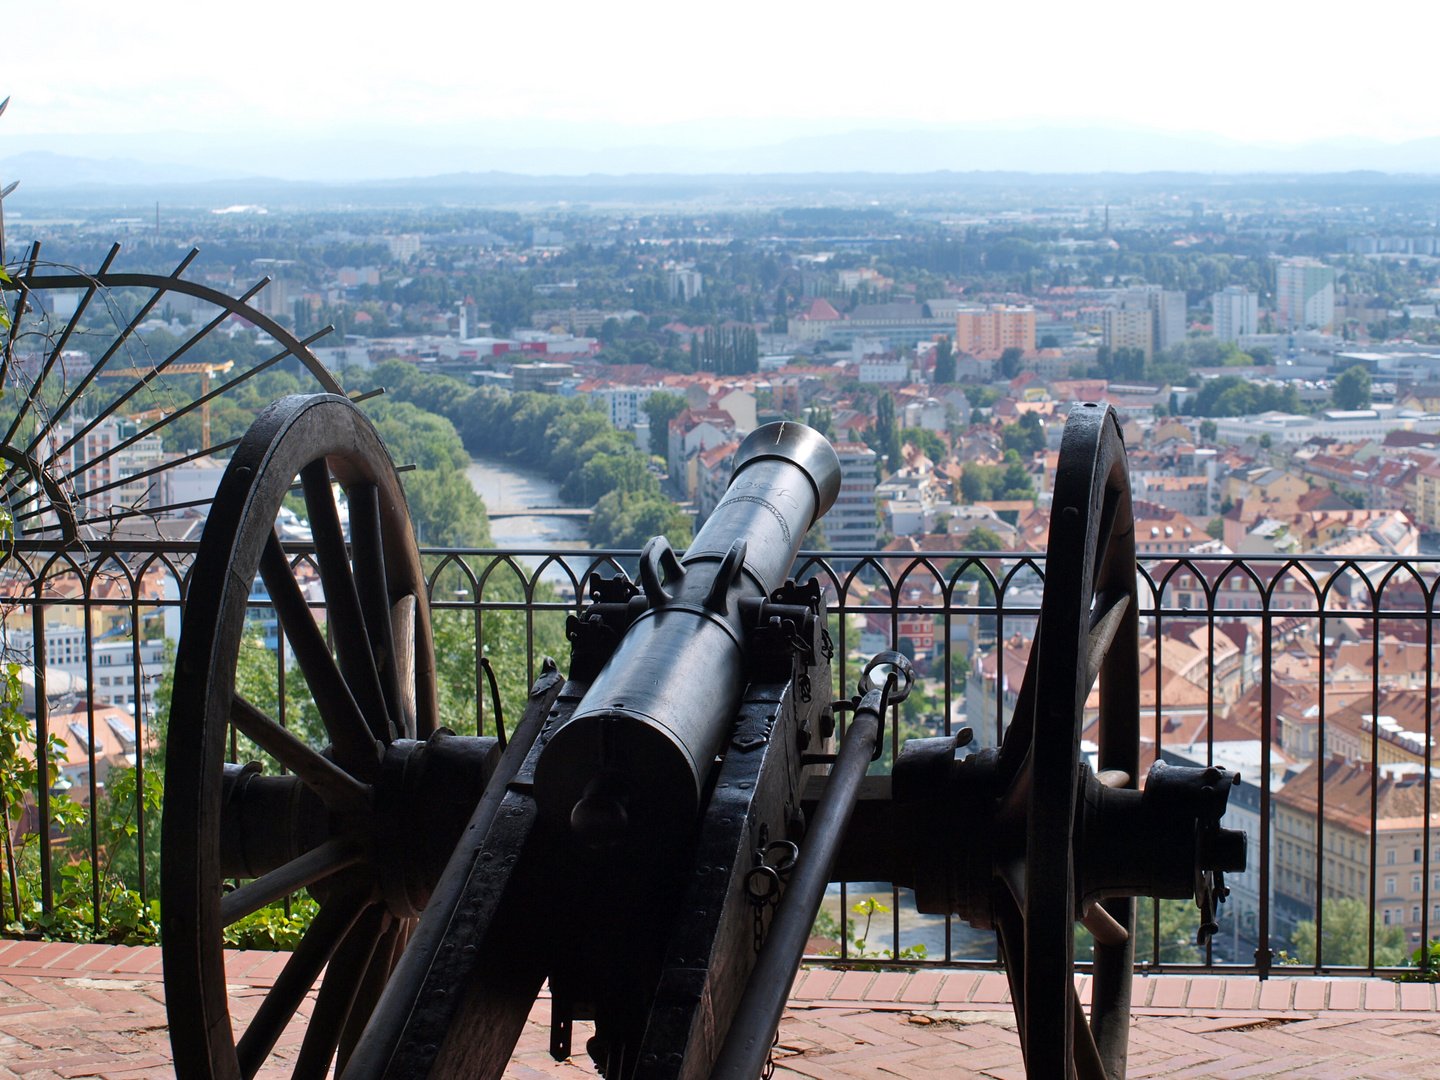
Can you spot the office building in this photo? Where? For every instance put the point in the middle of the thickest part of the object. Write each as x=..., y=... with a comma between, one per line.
x=850, y=524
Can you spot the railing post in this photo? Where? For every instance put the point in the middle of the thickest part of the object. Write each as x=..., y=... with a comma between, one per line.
x=42, y=752
x=1263, y=954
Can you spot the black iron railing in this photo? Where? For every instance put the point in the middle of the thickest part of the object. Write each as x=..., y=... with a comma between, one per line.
x=1282, y=666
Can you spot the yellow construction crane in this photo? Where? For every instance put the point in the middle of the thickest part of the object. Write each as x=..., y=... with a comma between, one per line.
x=203, y=370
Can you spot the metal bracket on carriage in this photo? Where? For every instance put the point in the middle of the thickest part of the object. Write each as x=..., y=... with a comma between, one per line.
x=786, y=627
x=615, y=603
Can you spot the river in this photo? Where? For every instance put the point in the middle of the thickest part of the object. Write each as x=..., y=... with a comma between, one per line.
x=501, y=483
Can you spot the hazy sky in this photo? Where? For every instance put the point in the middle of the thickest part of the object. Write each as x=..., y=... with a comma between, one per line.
x=1276, y=71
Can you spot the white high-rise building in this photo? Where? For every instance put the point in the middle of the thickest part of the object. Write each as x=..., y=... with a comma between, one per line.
x=1237, y=311
x=1305, y=295
x=684, y=284
x=1170, y=310
x=850, y=524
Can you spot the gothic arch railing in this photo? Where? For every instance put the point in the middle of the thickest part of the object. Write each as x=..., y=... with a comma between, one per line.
x=1234, y=646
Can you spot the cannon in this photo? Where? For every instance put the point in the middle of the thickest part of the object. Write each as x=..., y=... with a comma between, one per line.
x=653, y=837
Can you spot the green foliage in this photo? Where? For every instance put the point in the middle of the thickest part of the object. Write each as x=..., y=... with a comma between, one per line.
x=1204, y=351
x=982, y=539
x=1208, y=430
x=1352, y=388
x=1027, y=436
x=944, y=361
x=1231, y=395
x=732, y=351
x=567, y=439
x=1124, y=363
x=416, y=436
x=822, y=420
x=982, y=397
x=828, y=927
x=985, y=483
x=662, y=407
x=123, y=916
x=629, y=520
x=445, y=509
x=884, y=436
x=929, y=444
x=1427, y=959
x=1010, y=361
x=272, y=927
x=1346, y=939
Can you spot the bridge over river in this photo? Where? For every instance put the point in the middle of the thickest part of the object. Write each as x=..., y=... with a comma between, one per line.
x=539, y=511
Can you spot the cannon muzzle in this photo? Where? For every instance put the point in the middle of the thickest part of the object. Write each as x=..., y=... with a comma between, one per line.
x=631, y=764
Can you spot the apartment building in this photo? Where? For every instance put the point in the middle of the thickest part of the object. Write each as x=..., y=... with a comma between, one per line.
x=998, y=326
x=1236, y=311
x=1400, y=893
x=1147, y=318
x=1305, y=295
x=104, y=463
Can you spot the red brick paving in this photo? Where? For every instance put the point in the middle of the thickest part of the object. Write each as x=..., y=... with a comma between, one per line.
x=76, y=1012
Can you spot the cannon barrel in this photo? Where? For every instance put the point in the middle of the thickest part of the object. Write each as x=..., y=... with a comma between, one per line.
x=631, y=764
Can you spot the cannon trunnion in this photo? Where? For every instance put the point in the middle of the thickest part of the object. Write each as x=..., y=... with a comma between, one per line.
x=654, y=835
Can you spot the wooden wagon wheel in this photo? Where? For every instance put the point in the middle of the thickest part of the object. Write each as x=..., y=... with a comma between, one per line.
x=350, y=823
x=1087, y=629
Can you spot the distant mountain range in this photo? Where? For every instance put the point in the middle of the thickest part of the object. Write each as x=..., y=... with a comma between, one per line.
x=585, y=158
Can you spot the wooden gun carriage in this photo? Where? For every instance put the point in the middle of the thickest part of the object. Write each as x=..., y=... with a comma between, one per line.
x=654, y=837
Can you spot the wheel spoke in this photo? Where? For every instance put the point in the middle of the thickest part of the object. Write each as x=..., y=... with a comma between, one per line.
x=316, y=864
x=1016, y=743
x=1103, y=927
x=337, y=994
x=1112, y=974
x=336, y=788
x=349, y=733
x=1105, y=531
x=1103, y=628
x=1010, y=934
x=1087, y=1055
x=331, y=925
x=367, y=544
x=342, y=603
x=402, y=621
x=382, y=961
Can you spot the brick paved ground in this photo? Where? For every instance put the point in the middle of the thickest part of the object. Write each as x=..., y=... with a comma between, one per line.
x=91, y=1011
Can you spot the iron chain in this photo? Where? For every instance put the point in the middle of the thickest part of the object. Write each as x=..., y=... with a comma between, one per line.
x=764, y=883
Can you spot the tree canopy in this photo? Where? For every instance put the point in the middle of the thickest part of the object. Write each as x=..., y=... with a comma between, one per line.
x=1352, y=388
x=1232, y=395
